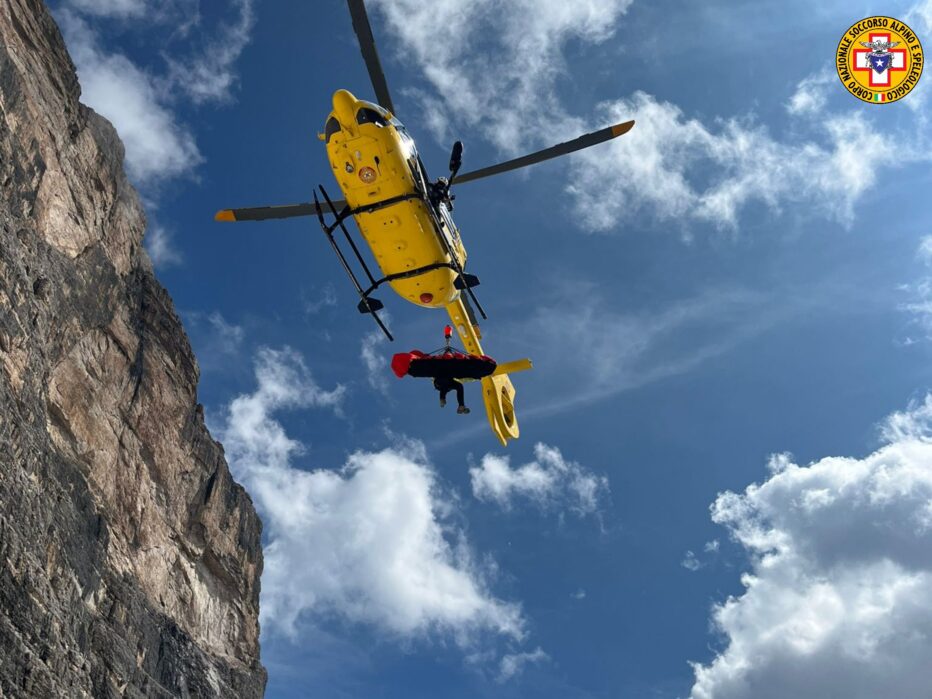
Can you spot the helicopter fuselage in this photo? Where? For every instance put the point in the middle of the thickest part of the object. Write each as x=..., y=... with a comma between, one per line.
x=374, y=160
x=414, y=239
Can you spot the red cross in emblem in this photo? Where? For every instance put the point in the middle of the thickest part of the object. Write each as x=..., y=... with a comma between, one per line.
x=897, y=62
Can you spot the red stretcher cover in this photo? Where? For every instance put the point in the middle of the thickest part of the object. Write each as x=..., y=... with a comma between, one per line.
x=449, y=365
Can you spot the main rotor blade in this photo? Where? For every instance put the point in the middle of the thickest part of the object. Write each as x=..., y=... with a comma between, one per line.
x=590, y=139
x=262, y=213
x=370, y=55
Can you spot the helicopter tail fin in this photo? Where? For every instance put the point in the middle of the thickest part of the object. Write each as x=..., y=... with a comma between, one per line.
x=498, y=394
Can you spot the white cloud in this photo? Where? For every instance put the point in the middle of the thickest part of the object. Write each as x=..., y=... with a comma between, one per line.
x=158, y=147
x=925, y=250
x=284, y=382
x=811, y=94
x=326, y=298
x=838, y=601
x=372, y=542
x=625, y=349
x=229, y=334
x=158, y=243
x=377, y=365
x=913, y=424
x=111, y=8
x=920, y=306
x=550, y=481
x=141, y=103
x=920, y=292
x=690, y=562
x=208, y=75
x=513, y=664
x=919, y=17
x=507, y=89
x=671, y=167
x=217, y=342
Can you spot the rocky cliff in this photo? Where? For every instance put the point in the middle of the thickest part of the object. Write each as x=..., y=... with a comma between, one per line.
x=129, y=559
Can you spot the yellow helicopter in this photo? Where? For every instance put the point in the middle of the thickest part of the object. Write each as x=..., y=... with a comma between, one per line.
x=405, y=218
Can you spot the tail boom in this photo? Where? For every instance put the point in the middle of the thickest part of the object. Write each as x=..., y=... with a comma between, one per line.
x=498, y=393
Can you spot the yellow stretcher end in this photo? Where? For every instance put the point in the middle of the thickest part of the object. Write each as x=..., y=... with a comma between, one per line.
x=224, y=215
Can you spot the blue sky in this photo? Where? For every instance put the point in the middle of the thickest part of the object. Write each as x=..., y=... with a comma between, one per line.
x=747, y=273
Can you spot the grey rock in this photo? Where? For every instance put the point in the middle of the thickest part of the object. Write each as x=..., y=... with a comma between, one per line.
x=129, y=558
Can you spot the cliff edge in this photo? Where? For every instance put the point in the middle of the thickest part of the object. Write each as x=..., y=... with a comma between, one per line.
x=129, y=558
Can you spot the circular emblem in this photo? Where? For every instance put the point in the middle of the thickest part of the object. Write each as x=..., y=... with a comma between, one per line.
x=879, y=60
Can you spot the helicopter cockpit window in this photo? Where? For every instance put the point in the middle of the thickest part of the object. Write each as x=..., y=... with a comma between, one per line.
x=332, y=127
x=370, y=116
x=405, y=138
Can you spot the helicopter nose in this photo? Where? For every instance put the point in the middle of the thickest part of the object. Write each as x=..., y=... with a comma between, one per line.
x=344, y=107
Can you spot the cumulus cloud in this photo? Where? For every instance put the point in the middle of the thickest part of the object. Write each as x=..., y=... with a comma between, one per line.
x=373, y=542
x=520, y=61
x=284, y=382
x=838, y=601
x=157, y=145
x=913, y=424
x=208, y=75
x=376, y=364
x=924, y=252
x=315, y=302
x=810, y=96
x=160, y=247
x=142, y=103
x=678, y=168
x=230, y=334
x=550, y=482
x=919, y=305
x=919, y=16
x=513, y=664
x=691, y=562
x=670, y=166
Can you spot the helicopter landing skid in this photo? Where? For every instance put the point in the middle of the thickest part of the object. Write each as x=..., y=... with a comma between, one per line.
x=366, y=303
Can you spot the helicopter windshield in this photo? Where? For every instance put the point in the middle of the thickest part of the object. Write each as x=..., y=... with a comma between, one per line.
x=370, y=116
x=405, y=138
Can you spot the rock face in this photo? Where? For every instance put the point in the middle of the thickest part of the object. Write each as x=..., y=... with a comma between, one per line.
x=129, y=559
